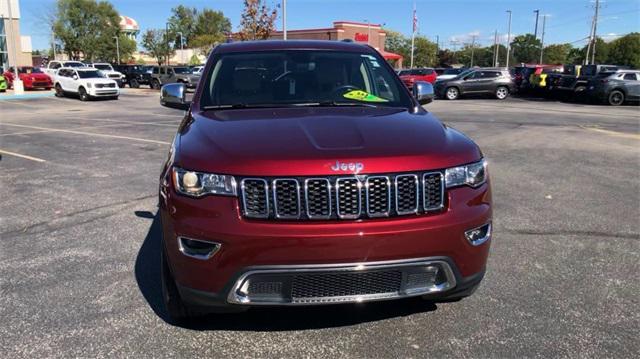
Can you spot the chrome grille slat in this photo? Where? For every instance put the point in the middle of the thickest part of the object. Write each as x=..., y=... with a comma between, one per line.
x=255, y=197
x=378, y=194
x=432, y=191
x=317, y=195
x=407, y=194
x=347, y=197
x=286, y=198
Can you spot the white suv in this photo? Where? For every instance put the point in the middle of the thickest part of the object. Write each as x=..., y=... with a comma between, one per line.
x=108, y=70
x=86, y=82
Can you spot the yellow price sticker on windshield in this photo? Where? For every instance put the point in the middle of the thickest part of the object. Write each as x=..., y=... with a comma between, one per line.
x=363, y=96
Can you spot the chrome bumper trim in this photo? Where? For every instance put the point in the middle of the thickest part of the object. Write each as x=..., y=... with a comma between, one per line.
x=234, y=297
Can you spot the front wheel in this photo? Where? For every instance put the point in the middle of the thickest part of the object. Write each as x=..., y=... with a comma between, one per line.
x=82, y=93
x=59, y=92
x=134, y=84
x=155, y=84
x=502, y=93
x=452, y=93
x=178, y=311
x=616, y=98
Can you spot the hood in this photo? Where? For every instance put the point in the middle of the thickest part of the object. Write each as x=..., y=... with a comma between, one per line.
x=99, y=80
x=309, y=141
x=37, y=76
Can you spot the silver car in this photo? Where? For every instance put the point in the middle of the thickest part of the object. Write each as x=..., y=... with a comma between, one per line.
x=491, y=81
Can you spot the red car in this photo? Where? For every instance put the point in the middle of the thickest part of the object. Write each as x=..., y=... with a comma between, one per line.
x=410, y=76
x=32, y=77
x=305, y=173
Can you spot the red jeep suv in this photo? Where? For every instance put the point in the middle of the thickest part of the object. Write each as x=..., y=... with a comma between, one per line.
x=305, y=173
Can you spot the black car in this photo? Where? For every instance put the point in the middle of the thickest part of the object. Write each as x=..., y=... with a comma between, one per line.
x=493, y=81
x=135, y=75
x=615, y=88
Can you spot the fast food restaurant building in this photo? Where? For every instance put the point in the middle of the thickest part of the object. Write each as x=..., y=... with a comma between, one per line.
x=371, y=34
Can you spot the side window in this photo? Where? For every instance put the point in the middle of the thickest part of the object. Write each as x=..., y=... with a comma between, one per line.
x=156, y=70
x=169, y=71
x=631, y=77
x=56, y=65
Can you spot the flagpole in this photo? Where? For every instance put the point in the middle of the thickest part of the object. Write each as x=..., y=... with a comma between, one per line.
x=413, y=32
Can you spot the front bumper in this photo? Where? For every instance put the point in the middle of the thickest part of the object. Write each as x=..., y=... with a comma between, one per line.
x=104, y=91
x=248, y=246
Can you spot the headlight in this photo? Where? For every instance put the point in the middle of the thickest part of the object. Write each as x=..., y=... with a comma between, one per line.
x=198, y=184
x=473, y=175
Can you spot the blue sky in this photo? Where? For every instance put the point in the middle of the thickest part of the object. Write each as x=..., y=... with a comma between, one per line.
x=568, y=21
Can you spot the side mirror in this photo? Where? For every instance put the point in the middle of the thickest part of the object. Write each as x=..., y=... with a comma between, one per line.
x=174, y=96
x=423, y=92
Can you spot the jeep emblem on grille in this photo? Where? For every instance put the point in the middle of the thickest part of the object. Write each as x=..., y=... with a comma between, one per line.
x=348, y=166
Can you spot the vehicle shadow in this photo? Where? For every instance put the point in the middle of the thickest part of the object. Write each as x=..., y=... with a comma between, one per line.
x=147, y=275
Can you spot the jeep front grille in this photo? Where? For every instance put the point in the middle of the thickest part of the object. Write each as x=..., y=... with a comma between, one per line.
x=342, y=197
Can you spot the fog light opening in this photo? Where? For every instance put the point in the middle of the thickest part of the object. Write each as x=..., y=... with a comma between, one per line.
x=479, y=235
x=197, y=249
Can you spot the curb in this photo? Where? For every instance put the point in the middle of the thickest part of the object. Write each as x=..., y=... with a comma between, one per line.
x=26, y=96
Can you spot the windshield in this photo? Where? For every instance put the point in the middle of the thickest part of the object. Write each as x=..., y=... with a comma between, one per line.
x=103, y=67
x=302, y=77
x=465, y=72
x=182, y=70
x=29, y=70
x=88, y=74
x=73, y=64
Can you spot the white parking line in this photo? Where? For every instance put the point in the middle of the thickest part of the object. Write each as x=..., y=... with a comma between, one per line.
x=22, y=156
x=88, y=133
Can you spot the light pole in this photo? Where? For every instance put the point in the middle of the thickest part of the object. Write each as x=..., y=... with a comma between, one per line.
x=181, y=47
x=284, y=19
x=166, y=35
x=508, y=39
x=117, y=48
x=368, y=31
x=544, y=23
x=535, y=31
x=18, y=87
x=473, y=46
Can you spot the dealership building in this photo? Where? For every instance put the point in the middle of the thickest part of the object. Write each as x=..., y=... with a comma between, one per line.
x=14, y=48
x=371, y=34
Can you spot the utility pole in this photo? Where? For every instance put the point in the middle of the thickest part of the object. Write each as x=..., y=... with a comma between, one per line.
x=166, y=35
x=117, y=48
x=473, y=45
x=368, y=31
x=413, y=33
x=284, y=19
x=535, y=32
x=53, y=43
x=495, y=48
x=595, y=33
x=508, y=39
x=181, y=47
x=544, y=23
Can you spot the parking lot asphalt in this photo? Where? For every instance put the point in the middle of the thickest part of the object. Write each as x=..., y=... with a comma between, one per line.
x=79, y=250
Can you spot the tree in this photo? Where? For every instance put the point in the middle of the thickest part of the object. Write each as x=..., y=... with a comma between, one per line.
x=183, y=20
x=556, y=54
x=257, y=20
x=602, y=51
x=211, y=29
x=155, y=42
x=194, y=60
x=397, y=43
x=526, y=48
x=85, y=27
x=625, y=50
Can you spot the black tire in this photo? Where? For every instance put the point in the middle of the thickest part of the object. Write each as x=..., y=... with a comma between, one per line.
x=178, y=311
x=616, y=98
x=452, y=93
x=134, y=84
x=502, y=92
x=114, y=98
x=59, y=91
x=155, y=84
x=82, y=93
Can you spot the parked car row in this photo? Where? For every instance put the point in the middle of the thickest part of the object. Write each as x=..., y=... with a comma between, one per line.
x=607, y=84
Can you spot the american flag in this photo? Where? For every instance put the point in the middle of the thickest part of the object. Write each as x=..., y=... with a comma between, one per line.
x=415, y=19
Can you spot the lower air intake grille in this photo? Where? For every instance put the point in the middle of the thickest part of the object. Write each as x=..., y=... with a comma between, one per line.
x=327, y=285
